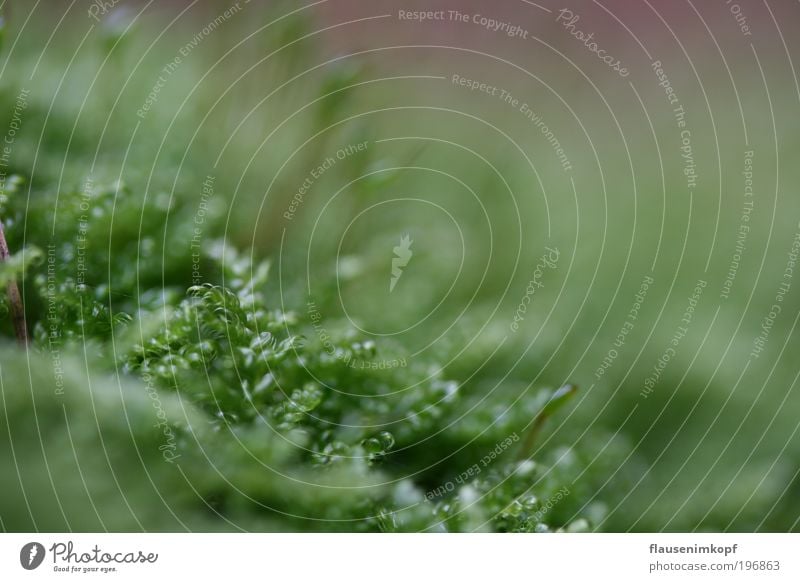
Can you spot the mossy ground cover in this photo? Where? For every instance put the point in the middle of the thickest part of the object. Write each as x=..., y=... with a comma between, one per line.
x=187, y=258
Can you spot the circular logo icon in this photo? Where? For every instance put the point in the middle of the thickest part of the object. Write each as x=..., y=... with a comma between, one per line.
x=31, y=555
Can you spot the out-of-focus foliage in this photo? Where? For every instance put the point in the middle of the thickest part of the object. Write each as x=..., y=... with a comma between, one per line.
x=174, y=382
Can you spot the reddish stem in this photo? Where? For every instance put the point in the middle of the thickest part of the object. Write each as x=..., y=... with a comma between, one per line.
x=14, y=298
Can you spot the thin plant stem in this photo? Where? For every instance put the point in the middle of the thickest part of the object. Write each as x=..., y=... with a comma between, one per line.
x=556, y=400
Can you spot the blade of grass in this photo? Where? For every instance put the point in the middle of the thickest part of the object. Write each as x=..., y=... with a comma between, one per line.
x=556, y=401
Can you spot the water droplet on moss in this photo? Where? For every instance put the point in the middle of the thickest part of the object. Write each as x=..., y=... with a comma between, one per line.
x=372, y=446
x=386, y=440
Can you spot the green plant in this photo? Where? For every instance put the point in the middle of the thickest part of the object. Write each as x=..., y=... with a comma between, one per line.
x=253, y=414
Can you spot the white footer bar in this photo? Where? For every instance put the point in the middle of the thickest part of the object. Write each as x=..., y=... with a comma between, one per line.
x=401, y=557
